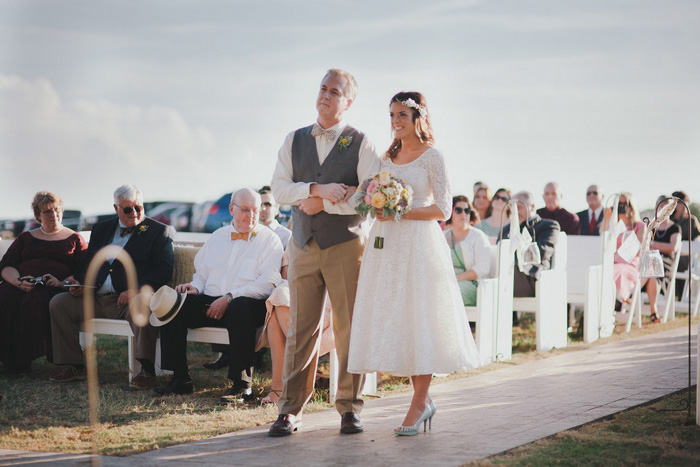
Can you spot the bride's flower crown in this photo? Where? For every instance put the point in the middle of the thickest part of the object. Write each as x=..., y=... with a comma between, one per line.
x=414, y=105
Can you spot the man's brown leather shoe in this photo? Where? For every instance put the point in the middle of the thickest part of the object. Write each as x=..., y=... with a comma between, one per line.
x=285, y=425
x=350, y=423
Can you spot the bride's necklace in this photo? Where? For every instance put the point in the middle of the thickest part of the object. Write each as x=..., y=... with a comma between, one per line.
x=50, y=233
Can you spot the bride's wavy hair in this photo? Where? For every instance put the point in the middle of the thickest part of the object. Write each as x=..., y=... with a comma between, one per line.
x=424, y=130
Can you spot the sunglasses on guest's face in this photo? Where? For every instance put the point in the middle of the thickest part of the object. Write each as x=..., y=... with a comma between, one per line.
x=502, y=198
x=589, y=193
x=459, y=210
x=128, y=210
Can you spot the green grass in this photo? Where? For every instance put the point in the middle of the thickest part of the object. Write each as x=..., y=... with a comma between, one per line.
x=646, y=435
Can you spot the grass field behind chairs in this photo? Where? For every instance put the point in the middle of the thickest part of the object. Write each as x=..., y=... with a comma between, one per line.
x=39, y=415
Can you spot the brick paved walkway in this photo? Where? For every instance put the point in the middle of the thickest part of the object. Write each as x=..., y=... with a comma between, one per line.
x=476, y=417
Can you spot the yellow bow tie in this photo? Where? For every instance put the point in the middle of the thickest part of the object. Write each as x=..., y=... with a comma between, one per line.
x=239, y=236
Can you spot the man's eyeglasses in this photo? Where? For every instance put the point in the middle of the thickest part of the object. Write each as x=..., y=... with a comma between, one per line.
x=459, y=210
x=247, y=210
x=128, y=210
x=502, y=198
x=589, y=193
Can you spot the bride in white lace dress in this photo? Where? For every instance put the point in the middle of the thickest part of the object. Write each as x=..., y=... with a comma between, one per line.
x=409, y=319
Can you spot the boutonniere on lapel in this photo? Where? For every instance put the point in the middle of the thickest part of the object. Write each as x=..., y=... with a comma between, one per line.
x=142, y=228
x=253, y=234
x=344, y=142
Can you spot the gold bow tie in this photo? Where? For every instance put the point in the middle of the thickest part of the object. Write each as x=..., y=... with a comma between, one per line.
x=239, y=236
x=317, y=131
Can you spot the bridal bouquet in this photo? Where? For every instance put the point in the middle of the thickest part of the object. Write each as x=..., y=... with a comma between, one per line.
x=384, y=191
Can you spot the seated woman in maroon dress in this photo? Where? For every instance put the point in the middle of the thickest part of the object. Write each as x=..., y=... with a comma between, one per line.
x=52, y=252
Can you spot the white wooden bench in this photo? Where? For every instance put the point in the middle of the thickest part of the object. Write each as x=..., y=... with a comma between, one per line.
x=589, y=282
x=690, y=277
x=120, y=327
x=493, y=313
x=549, y=302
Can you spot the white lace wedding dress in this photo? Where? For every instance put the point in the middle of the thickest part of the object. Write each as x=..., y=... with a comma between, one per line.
x=409, y=318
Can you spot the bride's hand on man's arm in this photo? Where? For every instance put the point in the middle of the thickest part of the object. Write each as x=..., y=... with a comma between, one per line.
x=333, y=192
x=349, y=191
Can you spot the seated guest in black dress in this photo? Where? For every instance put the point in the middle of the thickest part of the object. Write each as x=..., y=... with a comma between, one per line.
x=666, y=239
x=50, y=253
x=680, y=217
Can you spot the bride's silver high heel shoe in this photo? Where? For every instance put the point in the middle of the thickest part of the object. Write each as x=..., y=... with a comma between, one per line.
x=426, y=418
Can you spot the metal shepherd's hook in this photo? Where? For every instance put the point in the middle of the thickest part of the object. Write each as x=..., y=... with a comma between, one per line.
x=139, y=310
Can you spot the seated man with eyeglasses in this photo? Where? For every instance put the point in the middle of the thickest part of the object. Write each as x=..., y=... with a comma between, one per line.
x=228, y=290
x=149, y=245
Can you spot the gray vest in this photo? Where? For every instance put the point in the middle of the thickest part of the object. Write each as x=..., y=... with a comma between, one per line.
x=339, y=167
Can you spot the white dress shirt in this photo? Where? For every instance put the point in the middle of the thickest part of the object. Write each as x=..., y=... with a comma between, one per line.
x=107, y=287
x=242, y=268
x=282, y=232
x=598, y=212
x=286, y=191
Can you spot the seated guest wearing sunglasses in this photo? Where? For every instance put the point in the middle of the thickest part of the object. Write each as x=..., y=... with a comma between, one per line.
x=148, y=244
x=590, y=219
x=492, y=224
x=470, y=248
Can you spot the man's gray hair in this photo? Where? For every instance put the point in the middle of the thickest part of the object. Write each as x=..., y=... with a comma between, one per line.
x=352, y=87
x=526, y=197
x=128, y=193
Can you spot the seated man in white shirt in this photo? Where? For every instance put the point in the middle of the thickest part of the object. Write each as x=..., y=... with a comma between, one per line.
x=268, y=215
x=229, y=288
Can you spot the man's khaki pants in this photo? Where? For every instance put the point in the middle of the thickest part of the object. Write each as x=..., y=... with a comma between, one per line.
x=67, y=317
x=311, y=272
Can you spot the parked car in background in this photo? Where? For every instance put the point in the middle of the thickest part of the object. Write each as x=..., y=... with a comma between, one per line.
x=218, y=214
x=90, y=221
x=176, y=214
x=73, y=219
x=200, y=211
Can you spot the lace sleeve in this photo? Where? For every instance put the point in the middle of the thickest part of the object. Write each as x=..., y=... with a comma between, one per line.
x=439, y=183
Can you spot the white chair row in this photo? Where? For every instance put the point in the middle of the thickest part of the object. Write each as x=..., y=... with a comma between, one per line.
x=549, y=302
x=691, y=276
x=493, y=313
x=590, y=282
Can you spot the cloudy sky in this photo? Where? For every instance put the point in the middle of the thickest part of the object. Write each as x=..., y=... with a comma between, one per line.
x=191, y=99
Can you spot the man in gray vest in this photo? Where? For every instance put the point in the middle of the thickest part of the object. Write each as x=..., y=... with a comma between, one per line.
x=318, y=169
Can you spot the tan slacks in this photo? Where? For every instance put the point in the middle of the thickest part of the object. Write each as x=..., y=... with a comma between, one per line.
x=67, y=316
x=311, y=272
